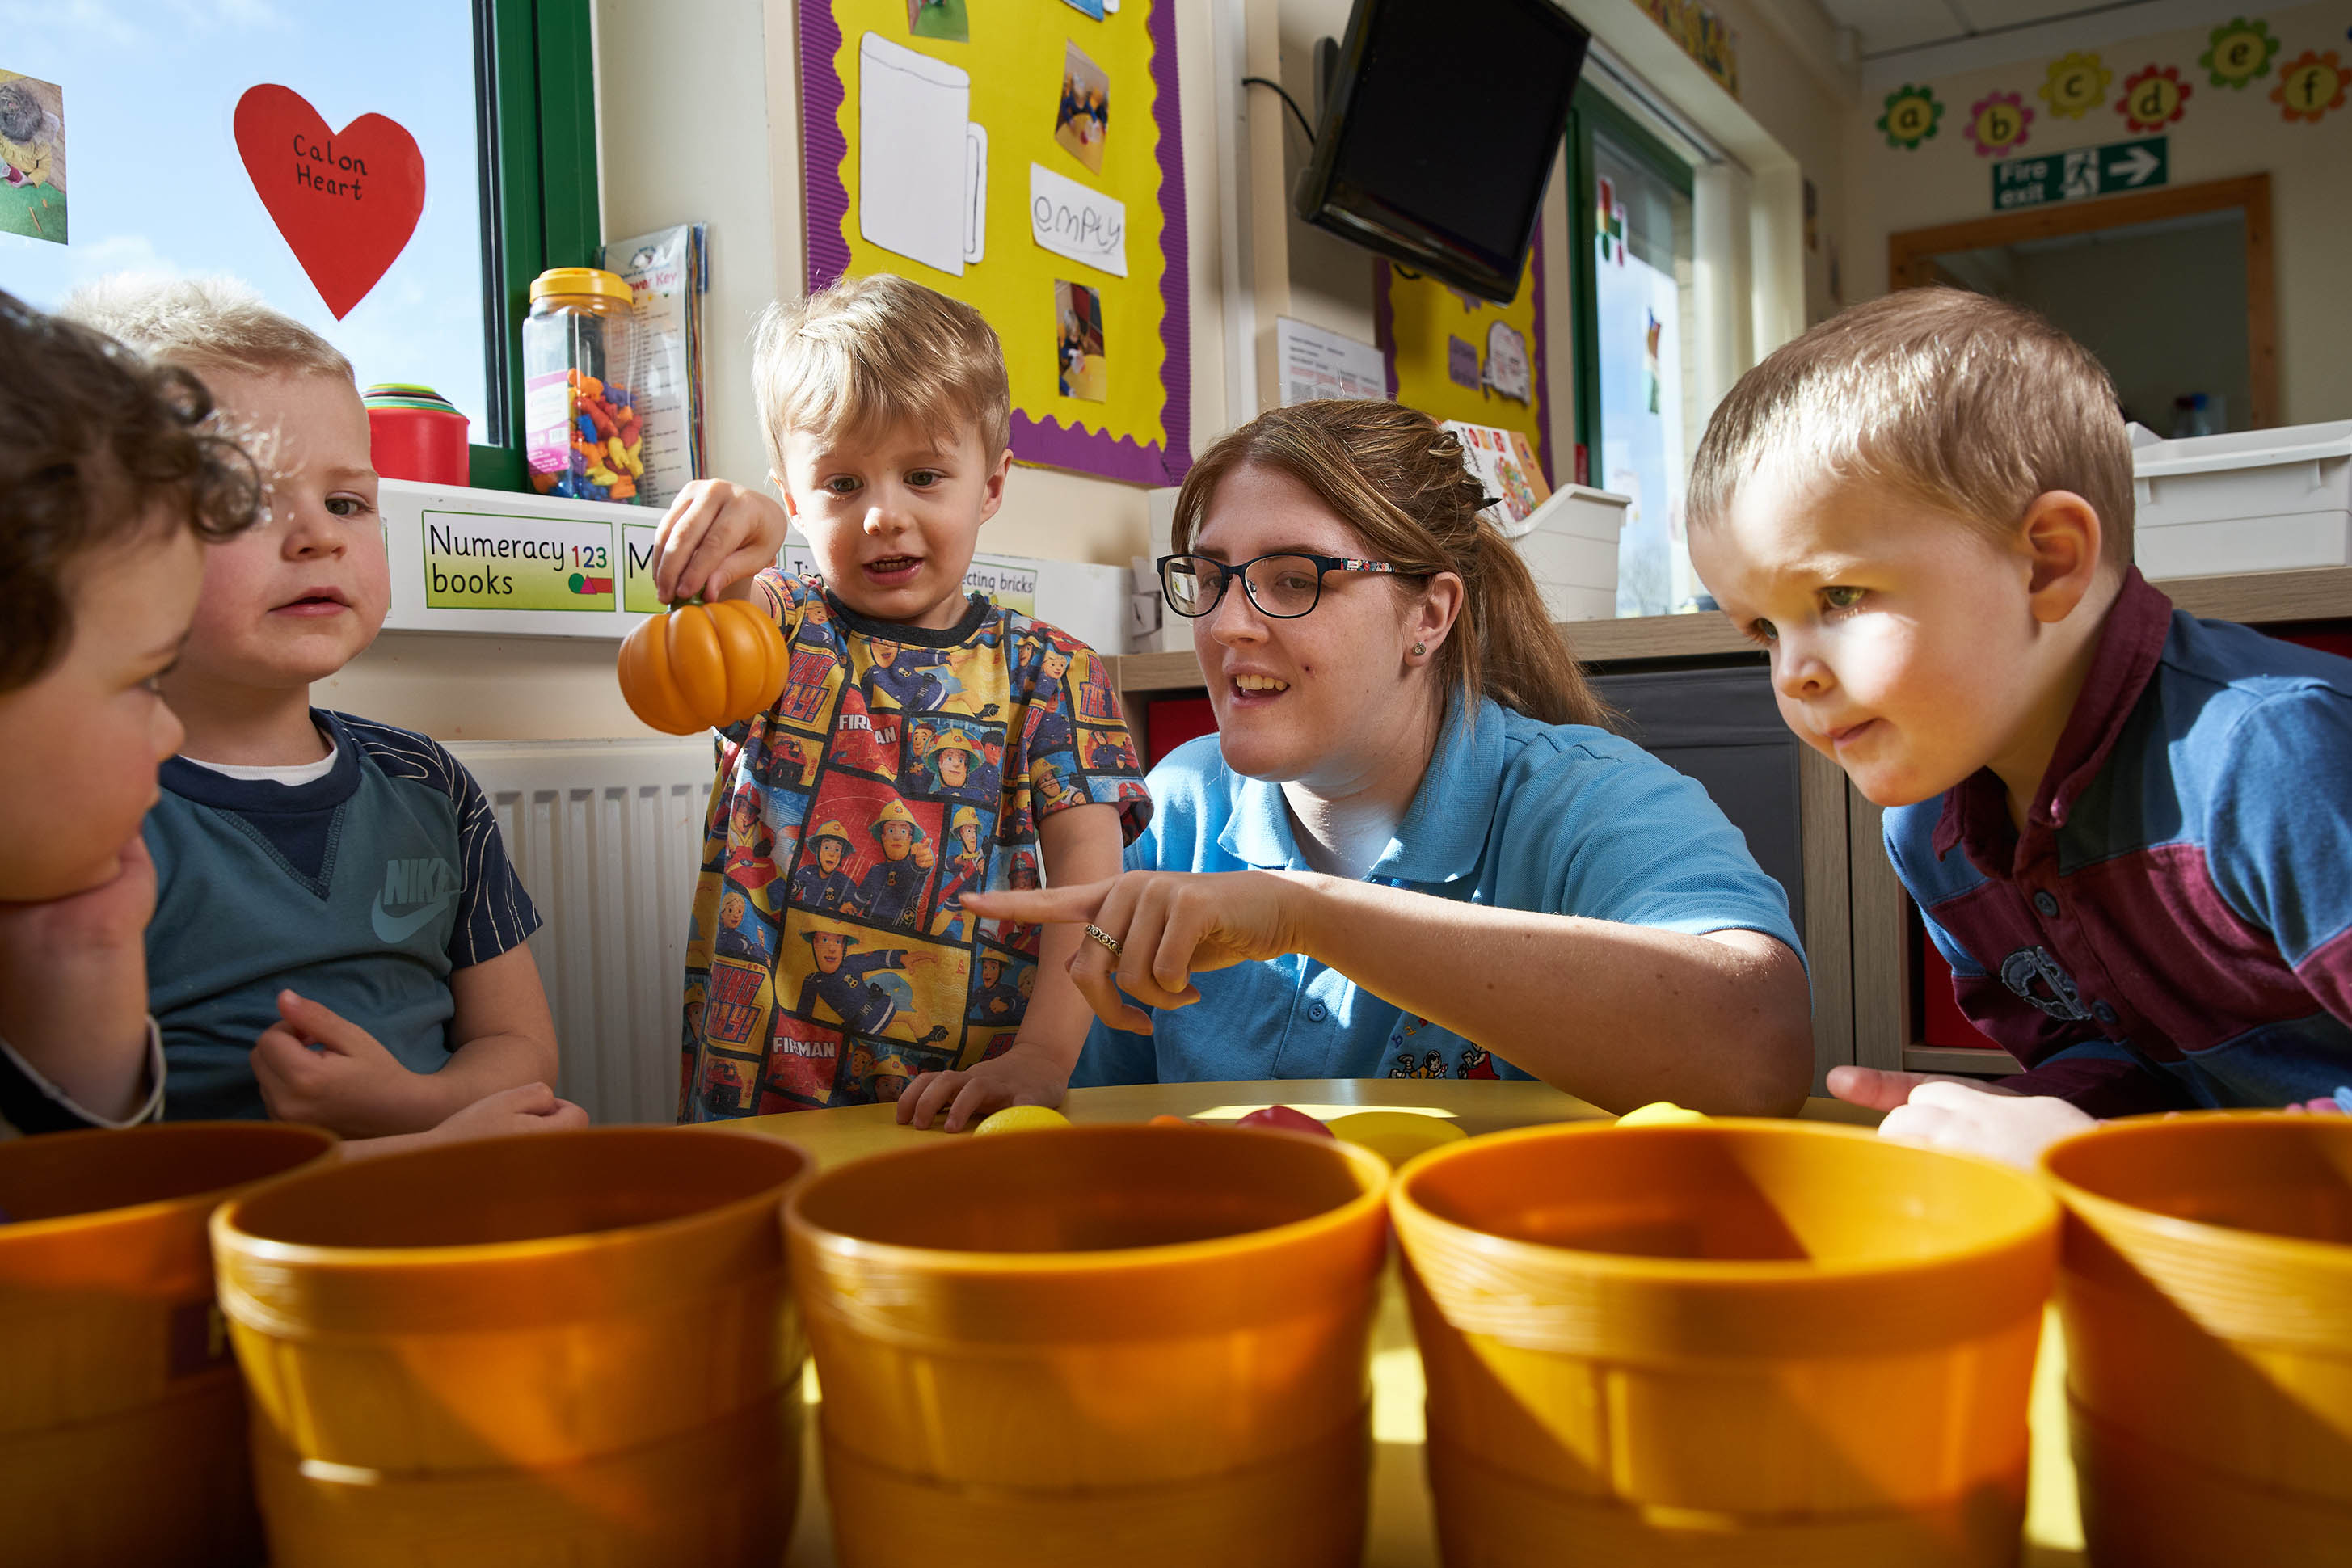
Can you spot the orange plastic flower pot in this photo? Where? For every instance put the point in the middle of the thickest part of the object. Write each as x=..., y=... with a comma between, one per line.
x=1124, y=1344
x=723, y=1493
x=1731, y=1343
x=114, y=1370
x=2207, y=1289
x=515, y=1317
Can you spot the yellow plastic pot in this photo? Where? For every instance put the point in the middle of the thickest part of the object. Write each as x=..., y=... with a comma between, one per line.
x=114, y=1370
x=1135, y=1345
x=2207, y=1289
x=1738, y=1342
x=532, y=1327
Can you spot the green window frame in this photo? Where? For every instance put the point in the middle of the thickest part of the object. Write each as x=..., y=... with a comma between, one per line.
x=1593, y=112
x=535, y=80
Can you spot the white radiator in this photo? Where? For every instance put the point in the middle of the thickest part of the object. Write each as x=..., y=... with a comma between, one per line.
x=607, y=836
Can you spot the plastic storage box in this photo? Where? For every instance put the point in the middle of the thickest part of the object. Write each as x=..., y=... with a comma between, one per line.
x=1570, y=544
x=2255, y=500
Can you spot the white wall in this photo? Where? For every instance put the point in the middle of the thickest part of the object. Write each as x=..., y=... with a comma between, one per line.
x=2224, y=134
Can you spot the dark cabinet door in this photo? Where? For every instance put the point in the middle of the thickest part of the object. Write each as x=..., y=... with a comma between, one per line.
x=1722, y=728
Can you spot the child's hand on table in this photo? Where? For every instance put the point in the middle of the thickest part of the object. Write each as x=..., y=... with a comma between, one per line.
x=526, y=1108
x=715, y=536
x=1025, y=1075
x=316, y=1066
x=1944, y=1112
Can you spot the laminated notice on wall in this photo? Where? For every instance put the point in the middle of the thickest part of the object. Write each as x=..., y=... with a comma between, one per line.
x=1316, y=364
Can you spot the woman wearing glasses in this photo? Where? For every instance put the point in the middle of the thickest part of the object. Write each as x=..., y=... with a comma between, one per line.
x=1412, y=847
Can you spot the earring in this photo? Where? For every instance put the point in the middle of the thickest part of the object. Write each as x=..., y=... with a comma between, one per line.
x=1418, y=650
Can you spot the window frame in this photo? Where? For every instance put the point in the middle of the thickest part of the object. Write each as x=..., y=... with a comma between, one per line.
x=1592, y=112
x=535, y=92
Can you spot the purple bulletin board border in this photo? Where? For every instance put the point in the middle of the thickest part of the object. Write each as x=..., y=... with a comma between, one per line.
x=1384, y=333
x=1043, y=441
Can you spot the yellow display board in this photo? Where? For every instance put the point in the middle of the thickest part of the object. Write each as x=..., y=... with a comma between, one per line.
x=1025, y=158
x=1456, y=357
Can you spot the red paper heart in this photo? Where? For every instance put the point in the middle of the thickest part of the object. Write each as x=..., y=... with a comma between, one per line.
x=346, y=201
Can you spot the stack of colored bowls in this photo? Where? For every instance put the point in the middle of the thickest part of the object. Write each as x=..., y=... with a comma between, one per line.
x=1138, y=1346
x=1741, y=1343
x=2206, y=1291
x=414, y=432
x=121, y=1419
x=572, y=1348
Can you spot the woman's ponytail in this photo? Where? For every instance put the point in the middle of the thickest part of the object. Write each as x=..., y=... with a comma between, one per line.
x=1515, y=654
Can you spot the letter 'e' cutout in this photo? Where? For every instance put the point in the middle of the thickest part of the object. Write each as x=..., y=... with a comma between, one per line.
x=346, y=201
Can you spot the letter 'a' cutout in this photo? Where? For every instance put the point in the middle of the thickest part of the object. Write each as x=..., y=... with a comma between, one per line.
x=347, y=201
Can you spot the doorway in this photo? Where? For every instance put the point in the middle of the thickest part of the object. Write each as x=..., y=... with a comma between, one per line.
x=2171, y=289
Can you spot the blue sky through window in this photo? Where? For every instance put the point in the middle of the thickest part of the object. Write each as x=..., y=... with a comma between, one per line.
x=154, y=182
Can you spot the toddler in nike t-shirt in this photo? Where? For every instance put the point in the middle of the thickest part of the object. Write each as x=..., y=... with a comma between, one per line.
x=338, y=935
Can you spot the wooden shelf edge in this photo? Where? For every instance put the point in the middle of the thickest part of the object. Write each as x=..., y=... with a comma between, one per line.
x=1988, y=1061
x=2301, y=594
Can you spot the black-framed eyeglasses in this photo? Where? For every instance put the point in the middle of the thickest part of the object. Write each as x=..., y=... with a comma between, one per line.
x=1284, y=585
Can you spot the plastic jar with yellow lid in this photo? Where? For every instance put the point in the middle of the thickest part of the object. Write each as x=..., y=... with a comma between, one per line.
x=582, y=432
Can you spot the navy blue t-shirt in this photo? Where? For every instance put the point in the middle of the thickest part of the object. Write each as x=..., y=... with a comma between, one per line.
x=363, y=891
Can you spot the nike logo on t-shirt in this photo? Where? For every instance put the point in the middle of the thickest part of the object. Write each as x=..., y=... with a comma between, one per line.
x=408, y=882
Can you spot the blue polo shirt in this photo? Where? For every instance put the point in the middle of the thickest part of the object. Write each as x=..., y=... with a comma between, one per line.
x=1513, y=813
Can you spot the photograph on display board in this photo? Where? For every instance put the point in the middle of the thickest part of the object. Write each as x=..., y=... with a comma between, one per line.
x=33, y=147
x=1082, y=124
x=1078, y=342
x=946, y=20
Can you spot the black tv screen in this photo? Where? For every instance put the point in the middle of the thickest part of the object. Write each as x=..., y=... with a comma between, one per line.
x=1440, y=132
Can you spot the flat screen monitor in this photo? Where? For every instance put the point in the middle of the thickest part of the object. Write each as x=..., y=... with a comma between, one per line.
x=1440, y=132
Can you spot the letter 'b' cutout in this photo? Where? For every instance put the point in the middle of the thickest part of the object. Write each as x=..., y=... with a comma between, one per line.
x=346, y=201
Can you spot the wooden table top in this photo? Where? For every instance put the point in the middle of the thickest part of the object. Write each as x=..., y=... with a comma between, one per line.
x=1400, y=1532
x=1479, y=1105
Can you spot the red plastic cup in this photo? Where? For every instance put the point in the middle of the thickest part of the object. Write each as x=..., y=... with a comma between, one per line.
x=414, y=432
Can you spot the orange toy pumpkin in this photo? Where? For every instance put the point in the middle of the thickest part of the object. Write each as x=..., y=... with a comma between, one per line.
x=702, y=666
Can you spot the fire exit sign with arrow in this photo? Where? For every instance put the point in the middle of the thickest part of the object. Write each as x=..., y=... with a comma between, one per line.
x=2080, y=172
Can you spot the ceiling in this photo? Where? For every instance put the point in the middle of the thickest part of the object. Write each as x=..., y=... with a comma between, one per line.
x=1886, y=27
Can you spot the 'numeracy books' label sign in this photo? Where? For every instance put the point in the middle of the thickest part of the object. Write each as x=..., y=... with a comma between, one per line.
x=478, y=562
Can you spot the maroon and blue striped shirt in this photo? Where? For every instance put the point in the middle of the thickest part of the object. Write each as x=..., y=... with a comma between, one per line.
x=2173, y=927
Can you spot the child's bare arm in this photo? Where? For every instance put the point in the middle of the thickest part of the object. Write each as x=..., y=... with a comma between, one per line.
x=533, y=1108
x=714, y=538
x=1080, y=845
x=73, y=988
x=318, y=1067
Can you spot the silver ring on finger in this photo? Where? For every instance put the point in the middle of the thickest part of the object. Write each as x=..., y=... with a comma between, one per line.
x=1104, y=937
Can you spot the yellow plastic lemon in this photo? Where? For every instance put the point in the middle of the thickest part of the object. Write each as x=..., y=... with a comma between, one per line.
x=1660, y=1113
x=1395, y=1136
x=1022, y=1119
